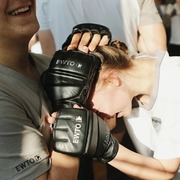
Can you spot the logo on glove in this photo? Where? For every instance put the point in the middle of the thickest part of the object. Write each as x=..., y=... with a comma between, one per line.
x=77, y=129
x=68, y=63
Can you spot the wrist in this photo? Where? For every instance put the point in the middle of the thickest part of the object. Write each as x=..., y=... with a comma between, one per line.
x=64, y=161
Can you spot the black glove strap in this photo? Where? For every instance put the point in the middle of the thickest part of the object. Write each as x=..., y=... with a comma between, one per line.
x=93, y=28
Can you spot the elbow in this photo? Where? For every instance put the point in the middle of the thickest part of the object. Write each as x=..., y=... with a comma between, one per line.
x=171, y=174
x=170, y=168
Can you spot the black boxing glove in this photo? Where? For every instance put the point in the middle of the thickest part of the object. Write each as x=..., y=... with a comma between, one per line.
x=70, y=78
x=88, y=27
x=79, y=132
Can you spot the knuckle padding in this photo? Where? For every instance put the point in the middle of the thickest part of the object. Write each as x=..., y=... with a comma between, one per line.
x=88, y=27
x=71, y=129
x=93, y=28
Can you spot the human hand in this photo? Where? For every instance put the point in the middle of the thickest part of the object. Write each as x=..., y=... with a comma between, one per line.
x=86, y=37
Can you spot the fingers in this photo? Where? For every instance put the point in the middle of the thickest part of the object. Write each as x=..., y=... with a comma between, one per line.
x=104, y=40
x=97, y=40
x=80, y=42
x=87, y=42
x=85, y=39
x=51, y=119
x=94, y=42
x=75, y=41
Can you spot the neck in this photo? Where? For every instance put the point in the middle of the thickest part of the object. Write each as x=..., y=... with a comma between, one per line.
x=142, y=78
x=16, y=57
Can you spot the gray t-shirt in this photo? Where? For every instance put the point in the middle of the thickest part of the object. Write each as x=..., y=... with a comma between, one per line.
x=23, y=148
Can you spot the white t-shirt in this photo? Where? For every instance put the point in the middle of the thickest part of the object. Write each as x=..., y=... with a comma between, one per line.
x=123, y=17
x=155, y=129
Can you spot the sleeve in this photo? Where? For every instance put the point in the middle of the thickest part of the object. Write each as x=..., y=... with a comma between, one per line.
x=23, y=151
x=42, y=13
x=149, y=13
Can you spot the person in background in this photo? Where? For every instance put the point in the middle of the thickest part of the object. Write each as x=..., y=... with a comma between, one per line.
x=133, y=21
x=173, y=11
x=161, y=6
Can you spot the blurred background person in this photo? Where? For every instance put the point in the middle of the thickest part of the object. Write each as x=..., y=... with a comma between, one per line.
x=169, y=11
x=166, y=19
x=173, y=11
x=132, y=21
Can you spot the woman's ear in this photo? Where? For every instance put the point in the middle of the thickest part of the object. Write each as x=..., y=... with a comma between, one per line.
x=114, y=80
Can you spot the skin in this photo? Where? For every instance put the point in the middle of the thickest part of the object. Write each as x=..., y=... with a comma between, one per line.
x=16, y=31
x=178, y=2
x=148, y=41
x=46, y=36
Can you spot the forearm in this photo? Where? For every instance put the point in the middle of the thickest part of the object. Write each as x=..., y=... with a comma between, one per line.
x=63, y=167
x=141, y=167
x=47, y=42
x=152, y=38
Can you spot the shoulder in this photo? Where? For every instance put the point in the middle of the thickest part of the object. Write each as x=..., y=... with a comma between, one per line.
x=41, y=60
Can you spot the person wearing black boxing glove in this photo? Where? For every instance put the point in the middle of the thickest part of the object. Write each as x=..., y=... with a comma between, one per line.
x=104, y=39
x=80, y=132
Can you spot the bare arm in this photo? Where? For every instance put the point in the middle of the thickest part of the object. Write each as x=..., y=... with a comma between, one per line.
x=63, y=167
x=142, y=167
x=152, y=38
x=47, y=42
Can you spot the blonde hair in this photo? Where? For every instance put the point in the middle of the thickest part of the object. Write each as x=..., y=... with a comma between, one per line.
x=113, y=56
